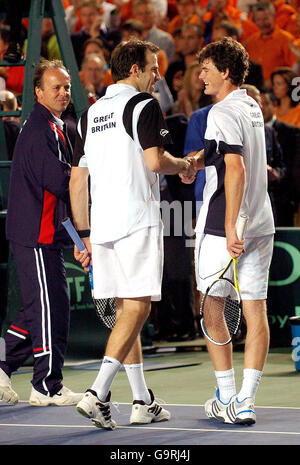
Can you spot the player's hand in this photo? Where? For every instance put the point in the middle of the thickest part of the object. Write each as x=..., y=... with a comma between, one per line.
x=235, y=247
x=188, y=176
x=85, y=257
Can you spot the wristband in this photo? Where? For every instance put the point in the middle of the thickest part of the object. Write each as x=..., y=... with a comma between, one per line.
x=84, y=233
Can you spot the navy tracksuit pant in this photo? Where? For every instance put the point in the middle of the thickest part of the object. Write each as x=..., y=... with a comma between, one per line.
x=41, y=327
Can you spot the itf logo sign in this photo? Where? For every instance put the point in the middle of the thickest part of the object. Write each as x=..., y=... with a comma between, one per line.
x=2, y=350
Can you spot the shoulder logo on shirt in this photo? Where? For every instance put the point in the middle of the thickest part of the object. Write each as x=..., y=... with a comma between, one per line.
x=164, y=132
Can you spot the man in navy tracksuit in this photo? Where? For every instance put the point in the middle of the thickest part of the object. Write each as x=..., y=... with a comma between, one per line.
x=38, y=202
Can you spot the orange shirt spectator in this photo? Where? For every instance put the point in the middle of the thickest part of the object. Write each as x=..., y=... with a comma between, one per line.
x=270, y=47
x=293, y=26
x=291, y=117
x=222, y=10
x=283, y=14
x=186, y=15
x=284, y=82
x=271, y=50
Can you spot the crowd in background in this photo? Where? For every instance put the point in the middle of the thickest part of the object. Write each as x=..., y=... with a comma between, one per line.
x=270, y=32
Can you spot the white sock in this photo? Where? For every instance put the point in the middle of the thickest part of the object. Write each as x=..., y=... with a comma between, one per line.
x=226, y=384
x=135, y=374
x=108, y=370
x=251, y=379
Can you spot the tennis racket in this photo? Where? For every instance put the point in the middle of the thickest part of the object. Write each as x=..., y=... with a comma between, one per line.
x=221, y=306
x=105, y=308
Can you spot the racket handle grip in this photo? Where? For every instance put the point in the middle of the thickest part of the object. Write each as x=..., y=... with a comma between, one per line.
x=241, y=226
x=67, y=223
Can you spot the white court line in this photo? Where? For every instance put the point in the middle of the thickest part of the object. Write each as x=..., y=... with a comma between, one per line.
x=155, y=428
x=184, y=405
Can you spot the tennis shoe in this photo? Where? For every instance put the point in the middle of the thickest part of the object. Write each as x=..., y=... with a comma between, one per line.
x=241, y=413
x=215, y=408
x=99, y=412
x=7, y=394
x=63, y=397
x=143, y=413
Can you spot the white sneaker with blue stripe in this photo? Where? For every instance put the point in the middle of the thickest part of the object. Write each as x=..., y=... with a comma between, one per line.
x=241, y=413
x=215, y=408
x=234, y=412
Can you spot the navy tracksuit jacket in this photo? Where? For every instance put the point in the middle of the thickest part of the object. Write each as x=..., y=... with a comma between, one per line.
x=38, y=202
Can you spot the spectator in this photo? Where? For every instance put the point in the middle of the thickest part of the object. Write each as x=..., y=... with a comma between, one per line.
x=38, y=201
x=284, y=14
x=275, y=164
x=93, y=27
x=228, y=29
x=96, y=46
x=133, y=28
x=111, y=14
x=191, y=96
x=49, y=47
x=186, y=15
x=271, y=45
x=192, y=42
x=162, y=8
x=288, y=136
x=13, y=76
x=9, y=102
x=223, y=10
x=93, y=72
x=178, y=43
x=146, y=13
x=293, y=26
x=72, y=16
x=287, y=109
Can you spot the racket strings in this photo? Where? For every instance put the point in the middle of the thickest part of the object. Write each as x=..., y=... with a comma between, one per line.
x=221, y=312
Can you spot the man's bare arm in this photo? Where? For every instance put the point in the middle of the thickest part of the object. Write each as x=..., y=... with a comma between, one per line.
x=162, y=162
x=234, y=183
x=79, y=198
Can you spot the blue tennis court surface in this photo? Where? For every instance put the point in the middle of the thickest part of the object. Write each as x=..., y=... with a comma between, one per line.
x=23, y=424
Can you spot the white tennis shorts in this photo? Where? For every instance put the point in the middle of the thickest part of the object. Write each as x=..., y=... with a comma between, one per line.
x=130, y=267
x=211, y=257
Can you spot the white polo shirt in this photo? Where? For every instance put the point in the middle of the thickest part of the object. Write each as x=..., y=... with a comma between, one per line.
x=111, y=138
x=236, y=125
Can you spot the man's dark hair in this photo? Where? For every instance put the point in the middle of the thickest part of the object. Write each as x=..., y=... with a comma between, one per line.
x=229, y=27
x=195, y=27
x=43, y=66
x=227, y=54
x=263, y=6
x=133, y=25
x=127, y=54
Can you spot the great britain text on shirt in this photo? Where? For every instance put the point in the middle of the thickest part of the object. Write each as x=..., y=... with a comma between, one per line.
x=103, y=119
x=256, y=115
